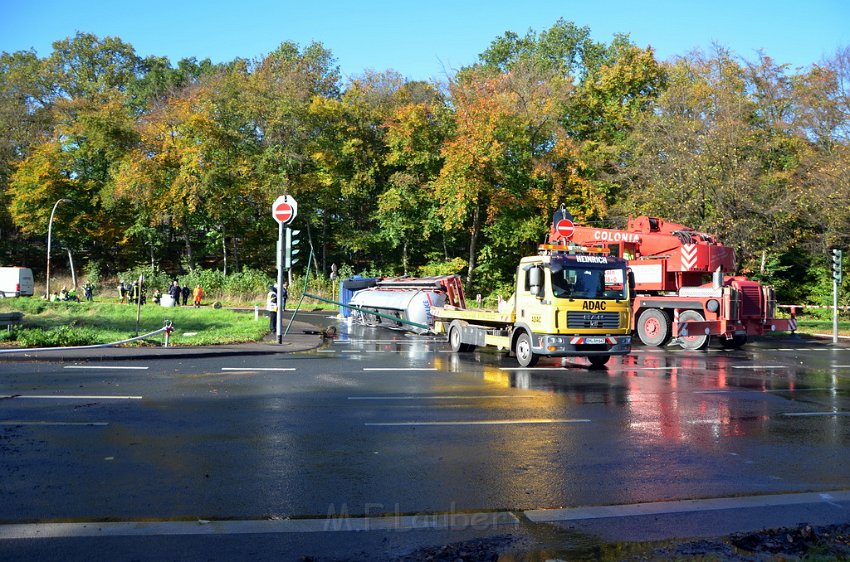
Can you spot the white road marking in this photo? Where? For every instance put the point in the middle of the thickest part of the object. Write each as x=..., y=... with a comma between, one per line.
x=68, y=397
x=475, y=422
x=455, y=397
x=816, y=414
x=257, y=368
x=436, y=521
x=52, y=423
x=422, y=522
x=396, y=342
x=760, y=367
x=681, y=506
x=627, y=368
x=116, y=367
x=399, y=369
x=533, y=368
x=775, y=390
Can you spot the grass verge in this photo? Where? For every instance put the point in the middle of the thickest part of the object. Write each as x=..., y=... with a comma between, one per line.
x=53, y=324
x=822, y=327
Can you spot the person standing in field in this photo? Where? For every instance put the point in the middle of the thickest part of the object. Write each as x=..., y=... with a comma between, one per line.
x=175, y=293
x=198, y=294
x=186, y=292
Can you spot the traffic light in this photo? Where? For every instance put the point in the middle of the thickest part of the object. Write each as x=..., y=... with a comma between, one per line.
x=291, y=247
x=837, y=255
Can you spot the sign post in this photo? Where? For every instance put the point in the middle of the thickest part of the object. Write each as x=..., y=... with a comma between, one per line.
x=333, y=281
x=837, y=257
x=284, y=210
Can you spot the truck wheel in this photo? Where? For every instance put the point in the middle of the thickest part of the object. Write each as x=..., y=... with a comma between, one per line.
x=693, y=342
x=457, y=345
x=653, y=327
x=524, y=355
x=736, y=341
x=598, y=361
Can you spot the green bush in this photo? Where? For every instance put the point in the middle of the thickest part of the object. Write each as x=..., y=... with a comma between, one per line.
x=153, y=280
x=61, y=336
x=211, y=280
x=248, y=283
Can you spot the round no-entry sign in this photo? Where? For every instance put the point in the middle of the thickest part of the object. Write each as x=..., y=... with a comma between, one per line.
x=284, y=209
x=565, y=228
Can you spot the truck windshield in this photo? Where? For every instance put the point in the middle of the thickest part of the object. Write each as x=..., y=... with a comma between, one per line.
x=588, y=283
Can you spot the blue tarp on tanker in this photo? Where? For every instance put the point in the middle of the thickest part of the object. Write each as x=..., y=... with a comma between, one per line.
x=347, y=288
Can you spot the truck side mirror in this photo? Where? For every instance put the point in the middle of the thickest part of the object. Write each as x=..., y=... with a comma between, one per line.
x=535, y=282
x=632, y=283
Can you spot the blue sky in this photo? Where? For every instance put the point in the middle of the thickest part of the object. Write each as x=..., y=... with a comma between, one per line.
x=426, y=39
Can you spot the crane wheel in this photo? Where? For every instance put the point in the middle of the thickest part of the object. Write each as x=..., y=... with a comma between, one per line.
x=654, y=327
x=693, y=342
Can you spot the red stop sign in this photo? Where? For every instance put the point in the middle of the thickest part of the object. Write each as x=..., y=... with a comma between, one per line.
x=282, y=212
x=284, y=209
x=565, y=228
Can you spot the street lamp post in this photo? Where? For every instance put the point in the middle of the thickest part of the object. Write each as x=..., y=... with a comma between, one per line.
x=49, y=236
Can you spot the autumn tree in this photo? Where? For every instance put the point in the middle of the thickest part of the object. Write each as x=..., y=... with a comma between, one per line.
x=507, y=164
x=91, y=129
x=415, y=130
x=26, y=95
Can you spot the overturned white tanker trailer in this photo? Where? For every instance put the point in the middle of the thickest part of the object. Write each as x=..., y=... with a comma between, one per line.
x=404, y=303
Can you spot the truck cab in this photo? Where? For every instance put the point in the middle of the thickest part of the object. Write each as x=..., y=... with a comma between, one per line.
x=571, y=304
x=568, y=302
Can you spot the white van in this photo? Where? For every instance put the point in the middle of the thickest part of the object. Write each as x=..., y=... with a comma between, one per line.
x=16, y=282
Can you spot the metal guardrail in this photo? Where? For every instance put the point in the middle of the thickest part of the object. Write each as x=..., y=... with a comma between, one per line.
x=9, y=319
x=168, y=329
x=822, y=306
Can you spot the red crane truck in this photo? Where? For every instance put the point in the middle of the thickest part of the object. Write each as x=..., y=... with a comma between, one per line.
x=683, y=289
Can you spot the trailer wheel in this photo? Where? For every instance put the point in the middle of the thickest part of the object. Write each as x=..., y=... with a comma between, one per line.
x=524, y=355
x=598, y=361
x=736, y=342
x=455, y=341
x=653, y=327
x=693, y=342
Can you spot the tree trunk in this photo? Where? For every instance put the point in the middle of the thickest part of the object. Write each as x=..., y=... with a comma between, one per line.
x=404, y=256
x=190, y=258
x=224, y=249
x=324, y=243
x=473, y=243
x=234, y=242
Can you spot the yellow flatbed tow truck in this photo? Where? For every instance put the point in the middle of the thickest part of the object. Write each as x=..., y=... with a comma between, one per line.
x=569, y=301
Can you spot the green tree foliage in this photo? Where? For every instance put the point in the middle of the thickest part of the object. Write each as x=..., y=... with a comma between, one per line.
x=415, y=131
x=174, y=166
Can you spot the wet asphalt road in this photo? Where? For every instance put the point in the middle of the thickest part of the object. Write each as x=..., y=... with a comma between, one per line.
x=379, y=423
